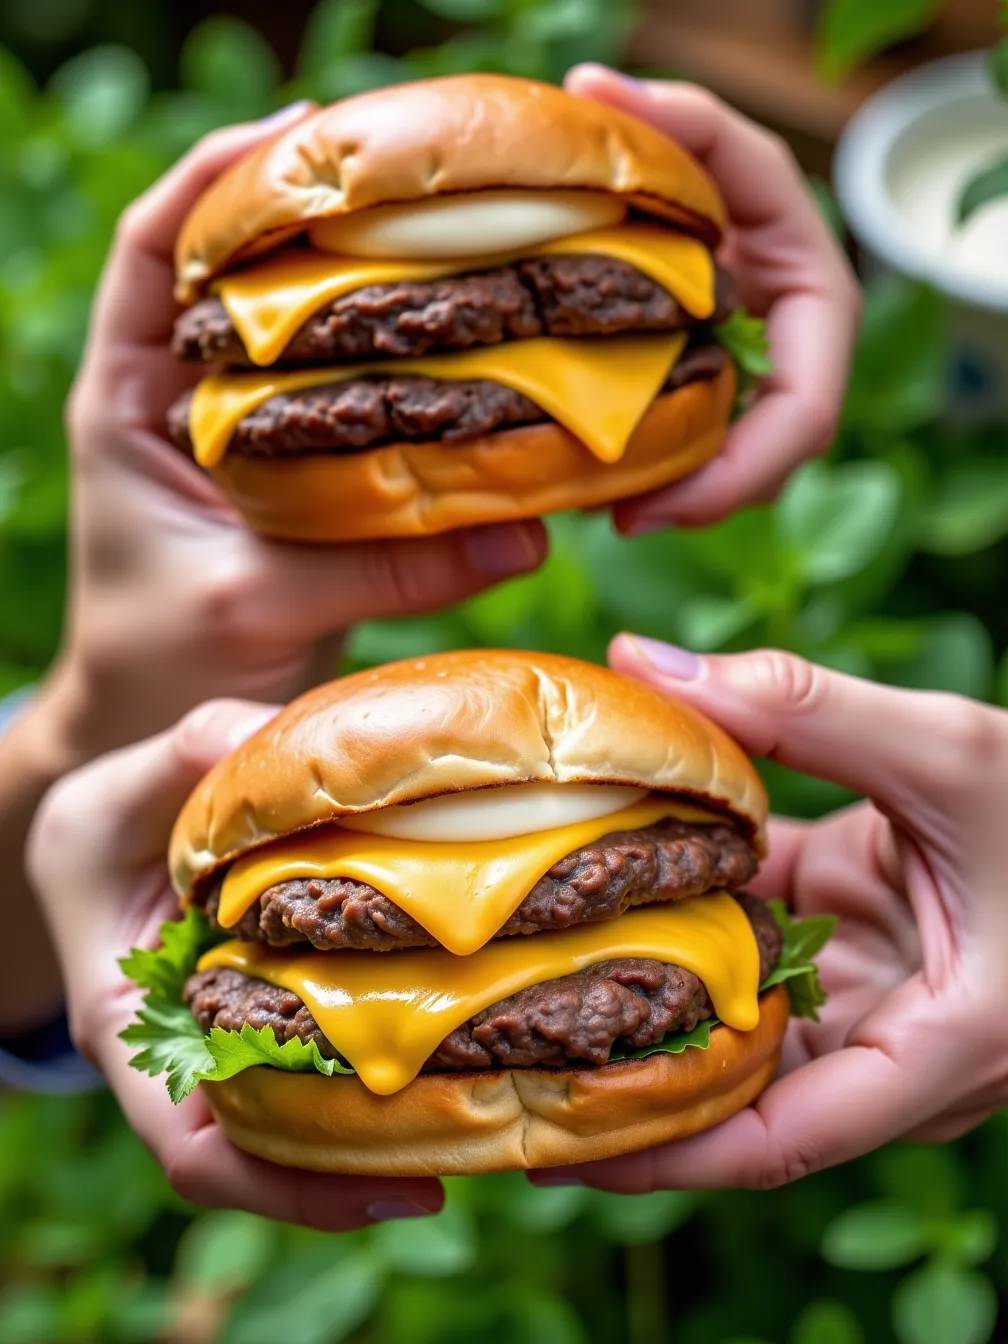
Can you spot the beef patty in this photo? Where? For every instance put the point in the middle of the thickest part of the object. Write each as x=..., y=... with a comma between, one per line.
x=372, y=411
x=634, y=1001
x=547, y=296
x=664, y=862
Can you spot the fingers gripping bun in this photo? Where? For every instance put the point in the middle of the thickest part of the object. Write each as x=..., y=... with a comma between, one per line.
x=453, y=721
x=436, y=137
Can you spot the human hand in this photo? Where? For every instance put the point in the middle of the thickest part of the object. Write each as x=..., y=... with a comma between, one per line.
x=173, y=599
x=97, y=858
x=788, y=268
x=913, y=1042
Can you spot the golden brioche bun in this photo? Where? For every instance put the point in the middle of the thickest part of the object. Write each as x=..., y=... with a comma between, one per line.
x=449, y=722
x=416, y=489
x=435, y=137
x=507, y=1120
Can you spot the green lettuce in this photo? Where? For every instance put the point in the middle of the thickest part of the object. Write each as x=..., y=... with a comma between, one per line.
x=170, y=1040
x=745, y=339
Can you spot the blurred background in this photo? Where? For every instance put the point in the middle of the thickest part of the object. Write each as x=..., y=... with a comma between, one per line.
x=887, y=559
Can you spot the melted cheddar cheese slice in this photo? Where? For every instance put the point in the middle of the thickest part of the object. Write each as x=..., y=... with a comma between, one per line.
x=387, y=1012
x=598, y=389
x=270, y=301
x=461, y=893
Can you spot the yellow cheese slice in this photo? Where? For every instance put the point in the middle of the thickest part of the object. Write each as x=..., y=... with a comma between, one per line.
x=270, y=301
x=597, y=388
x=387, y=1012
x=461, y=893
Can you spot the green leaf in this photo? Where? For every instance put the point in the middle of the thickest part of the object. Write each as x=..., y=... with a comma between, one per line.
x=956, y=654
x=836, y=520
x=635, y=1220
x=229, y=61
x=336, y=29
x=803, y=938
x=883, y=1234
x=899, y=375
x=745, y=339
x=987, y=185
x=941, y=1302
x=224, y=1251
x=827, y=1322
x=969, y=1238
x=29, y=1313
x=464, y=11
x=17, y=89
x=103, y=90
x=969, y=509
x=849, y=31
x=167, y=967
x=308, y=1304
x=710, y=622
x=431, y=1248
x=997, y=63
x=233, y=1052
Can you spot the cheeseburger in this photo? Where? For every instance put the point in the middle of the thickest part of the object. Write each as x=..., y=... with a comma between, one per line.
x=452, y=302
x=470, y=913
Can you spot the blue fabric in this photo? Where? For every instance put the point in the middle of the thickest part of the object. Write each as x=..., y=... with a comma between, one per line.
x=42, y=1059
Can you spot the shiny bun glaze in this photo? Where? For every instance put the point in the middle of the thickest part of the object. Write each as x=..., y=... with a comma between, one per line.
x=418, y=489
x=409, y=142
x=465, y=720
x=467, y=1124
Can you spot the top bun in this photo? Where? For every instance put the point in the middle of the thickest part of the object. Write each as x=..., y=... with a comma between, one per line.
x=434, y=137
x=455, y=721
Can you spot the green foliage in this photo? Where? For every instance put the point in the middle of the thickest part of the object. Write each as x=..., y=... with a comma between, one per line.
x=850, y=31
x=886, y=559
x=989, y=184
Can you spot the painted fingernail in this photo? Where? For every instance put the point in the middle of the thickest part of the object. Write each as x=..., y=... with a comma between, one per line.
x=289, y=113
x=668, y=659
x=385, y=1210
x=536, y=1179
x=505, y=548
x=643, y=527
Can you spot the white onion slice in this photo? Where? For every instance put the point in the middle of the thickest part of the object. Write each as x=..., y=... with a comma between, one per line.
x=447, y=227
x=496, y=813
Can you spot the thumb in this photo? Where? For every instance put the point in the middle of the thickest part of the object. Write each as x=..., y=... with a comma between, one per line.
x=113, y=816
x=305, y=592
x=889, y=744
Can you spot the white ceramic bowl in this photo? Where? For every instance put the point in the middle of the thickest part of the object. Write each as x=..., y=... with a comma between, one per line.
x=899, y=168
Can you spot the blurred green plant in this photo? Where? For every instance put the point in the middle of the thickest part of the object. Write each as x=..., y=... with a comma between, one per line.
x=886, y=559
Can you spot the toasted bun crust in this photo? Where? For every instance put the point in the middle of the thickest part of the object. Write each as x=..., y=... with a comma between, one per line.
x=436, y=137
x=455, y=1125
x=454, y=721
x=415, y=489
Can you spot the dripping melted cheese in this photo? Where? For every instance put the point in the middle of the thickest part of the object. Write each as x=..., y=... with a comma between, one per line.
x=387, y=1012
x=460, y=892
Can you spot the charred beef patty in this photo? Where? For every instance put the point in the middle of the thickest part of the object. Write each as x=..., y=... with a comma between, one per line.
x=664, y=862
x=548, y=296
x=579, y=1017
x=371, y=411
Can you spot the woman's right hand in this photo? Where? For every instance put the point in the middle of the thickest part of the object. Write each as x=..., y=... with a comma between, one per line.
x=173, y=599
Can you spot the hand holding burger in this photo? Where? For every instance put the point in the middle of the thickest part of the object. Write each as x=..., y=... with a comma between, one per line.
x=912, y=1042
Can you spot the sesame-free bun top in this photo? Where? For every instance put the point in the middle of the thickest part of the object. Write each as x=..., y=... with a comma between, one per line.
x=454, y=721
x=410, y=142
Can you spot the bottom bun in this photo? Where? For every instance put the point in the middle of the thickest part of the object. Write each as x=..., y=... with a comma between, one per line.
x=465, y=1124
x=415, y=489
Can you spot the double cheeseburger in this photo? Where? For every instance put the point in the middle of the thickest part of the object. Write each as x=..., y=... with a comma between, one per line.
x=471, y=913
x=452, y=302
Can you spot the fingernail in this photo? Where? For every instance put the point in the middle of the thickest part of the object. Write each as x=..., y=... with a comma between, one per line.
x=668, y=659
x=385, y=1210
x=504, y=548
x=289, y=113
x=637, y=85
x=536, y=1179
x=643, y=527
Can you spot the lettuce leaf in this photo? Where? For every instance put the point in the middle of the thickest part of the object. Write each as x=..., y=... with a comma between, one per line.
x=170, y=1040
x=745, y=339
